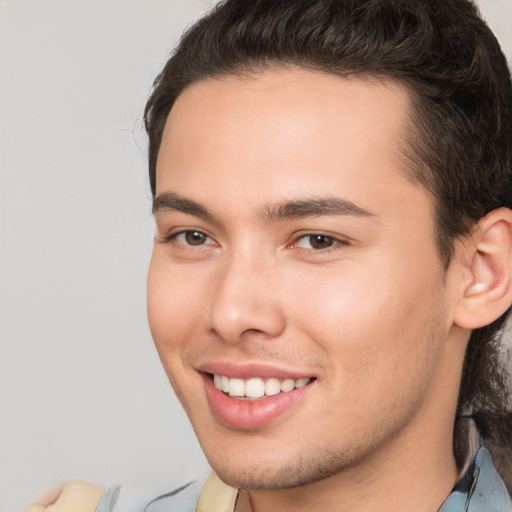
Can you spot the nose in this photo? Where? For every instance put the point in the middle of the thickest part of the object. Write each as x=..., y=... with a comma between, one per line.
x=246, y=301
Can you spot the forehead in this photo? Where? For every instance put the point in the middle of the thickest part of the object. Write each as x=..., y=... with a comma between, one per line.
x=284, y=133
x=280, y=99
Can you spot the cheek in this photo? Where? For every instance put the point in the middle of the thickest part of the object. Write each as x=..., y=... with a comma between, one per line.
x=370, y=325
x=174, y=304
x=174, y=316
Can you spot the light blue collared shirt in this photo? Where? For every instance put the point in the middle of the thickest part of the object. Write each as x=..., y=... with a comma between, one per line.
x=481, y=489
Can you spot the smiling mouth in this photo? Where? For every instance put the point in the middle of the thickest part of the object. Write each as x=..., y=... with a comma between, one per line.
x=256, y=388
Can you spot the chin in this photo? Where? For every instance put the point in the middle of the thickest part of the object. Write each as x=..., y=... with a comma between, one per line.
x=277, y=475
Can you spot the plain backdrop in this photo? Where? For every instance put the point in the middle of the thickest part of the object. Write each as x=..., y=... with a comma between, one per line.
x=82, y=393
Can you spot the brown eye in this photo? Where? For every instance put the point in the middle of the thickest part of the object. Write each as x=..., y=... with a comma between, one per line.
x=320, y=241
x=194, y=238
x=316, y=241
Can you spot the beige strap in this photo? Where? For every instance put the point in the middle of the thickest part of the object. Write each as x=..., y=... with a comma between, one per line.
x=216, y=496
x=76, y=496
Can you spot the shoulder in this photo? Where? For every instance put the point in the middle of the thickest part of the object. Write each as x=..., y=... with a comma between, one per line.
x=180, y=497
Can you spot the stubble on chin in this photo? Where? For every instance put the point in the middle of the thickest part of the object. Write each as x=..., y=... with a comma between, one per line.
x=305, y=468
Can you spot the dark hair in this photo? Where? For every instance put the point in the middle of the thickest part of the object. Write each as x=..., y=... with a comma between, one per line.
x=460, y=145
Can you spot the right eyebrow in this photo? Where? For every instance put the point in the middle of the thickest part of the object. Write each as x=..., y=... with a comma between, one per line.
x=175, y=202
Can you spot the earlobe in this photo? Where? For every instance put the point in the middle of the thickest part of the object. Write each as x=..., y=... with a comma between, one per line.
x=487, y=290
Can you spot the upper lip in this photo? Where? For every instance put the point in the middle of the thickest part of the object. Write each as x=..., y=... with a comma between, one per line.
x=250, y=370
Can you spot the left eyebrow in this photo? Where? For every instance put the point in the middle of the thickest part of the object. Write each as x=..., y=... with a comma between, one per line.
x=313, y=207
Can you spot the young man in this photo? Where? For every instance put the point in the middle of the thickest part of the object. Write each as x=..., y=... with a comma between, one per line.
x=332, y=184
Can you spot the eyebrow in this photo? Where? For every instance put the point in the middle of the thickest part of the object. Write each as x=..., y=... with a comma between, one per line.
x=313, y=207
x=175, y=202
x=294, y=209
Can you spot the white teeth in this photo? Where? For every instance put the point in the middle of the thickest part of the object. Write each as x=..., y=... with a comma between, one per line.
x=225, y=384
x=254, y=388
x=287, y=385
x=257, y=387
x=299, y=383
x=272, y=387
x=236, y=387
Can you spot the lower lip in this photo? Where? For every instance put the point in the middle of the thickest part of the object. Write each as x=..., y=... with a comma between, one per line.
x=251, y=414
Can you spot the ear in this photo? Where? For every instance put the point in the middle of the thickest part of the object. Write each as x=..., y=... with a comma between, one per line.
x=487, y=277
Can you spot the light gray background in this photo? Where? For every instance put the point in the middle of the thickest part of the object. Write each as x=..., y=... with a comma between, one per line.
x=81, y=389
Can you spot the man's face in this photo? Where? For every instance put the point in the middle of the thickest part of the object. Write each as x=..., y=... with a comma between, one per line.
x=293, y=254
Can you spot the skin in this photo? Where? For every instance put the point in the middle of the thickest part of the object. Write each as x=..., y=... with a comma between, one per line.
x=370, y=316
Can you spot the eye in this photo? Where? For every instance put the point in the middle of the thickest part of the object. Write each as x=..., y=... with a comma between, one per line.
x=316, y=241
x=191, y=237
